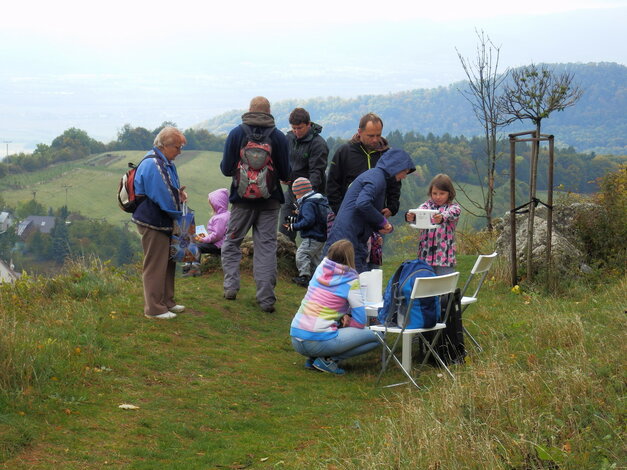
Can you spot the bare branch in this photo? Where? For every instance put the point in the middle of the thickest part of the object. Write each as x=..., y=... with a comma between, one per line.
x=484, y=83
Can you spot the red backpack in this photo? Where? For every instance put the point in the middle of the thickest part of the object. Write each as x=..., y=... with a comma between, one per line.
x=127, y=199
x=255, y=175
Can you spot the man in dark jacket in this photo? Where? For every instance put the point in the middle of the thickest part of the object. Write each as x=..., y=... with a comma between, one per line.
x=361, y=212
x=308, y=159
x=260, y=214
x=361, y=153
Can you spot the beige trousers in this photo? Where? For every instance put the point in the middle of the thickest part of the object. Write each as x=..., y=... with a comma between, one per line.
x=158, y=271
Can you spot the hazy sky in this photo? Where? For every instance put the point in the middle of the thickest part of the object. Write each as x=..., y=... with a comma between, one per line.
x=97, y=66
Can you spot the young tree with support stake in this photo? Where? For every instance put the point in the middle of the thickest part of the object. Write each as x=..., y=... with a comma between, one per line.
x=484, y=83
x=534, y=93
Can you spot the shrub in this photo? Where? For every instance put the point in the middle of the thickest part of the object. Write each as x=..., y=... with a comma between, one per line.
x=603, y=230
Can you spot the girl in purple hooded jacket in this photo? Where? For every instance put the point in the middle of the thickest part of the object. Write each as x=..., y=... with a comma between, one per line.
x=216, y=229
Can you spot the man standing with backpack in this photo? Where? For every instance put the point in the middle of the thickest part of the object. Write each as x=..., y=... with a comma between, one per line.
x=256, y=156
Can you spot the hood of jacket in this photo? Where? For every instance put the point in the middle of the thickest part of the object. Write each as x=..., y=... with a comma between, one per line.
x=382, y=146
x=330, y=273
x=219, y=200
x=258, y=119
x=313, y=197
x=394, y=161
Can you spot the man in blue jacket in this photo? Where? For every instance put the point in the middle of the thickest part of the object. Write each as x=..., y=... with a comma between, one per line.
x=157, y=179
x=361, y=212
x=260, y=214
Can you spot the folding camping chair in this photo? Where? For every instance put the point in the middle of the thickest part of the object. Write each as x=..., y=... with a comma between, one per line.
x=481, y=268
x=423, y=287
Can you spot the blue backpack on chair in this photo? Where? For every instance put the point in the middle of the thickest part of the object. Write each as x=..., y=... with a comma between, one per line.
x=425, y=313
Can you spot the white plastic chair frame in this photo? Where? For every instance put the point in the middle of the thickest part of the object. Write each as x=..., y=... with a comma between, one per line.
x=481, y=267
x=423, y=287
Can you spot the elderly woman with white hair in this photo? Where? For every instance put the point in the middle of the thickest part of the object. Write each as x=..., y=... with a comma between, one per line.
x=157, y=179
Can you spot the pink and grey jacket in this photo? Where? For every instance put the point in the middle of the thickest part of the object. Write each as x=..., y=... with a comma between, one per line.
x=218, y=224
x=333, y=292
x=437, y=245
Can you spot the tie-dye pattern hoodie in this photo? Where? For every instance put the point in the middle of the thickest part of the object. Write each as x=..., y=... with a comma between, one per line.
x=333, y=292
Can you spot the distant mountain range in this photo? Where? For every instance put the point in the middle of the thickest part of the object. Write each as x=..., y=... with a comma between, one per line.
x=597, y=123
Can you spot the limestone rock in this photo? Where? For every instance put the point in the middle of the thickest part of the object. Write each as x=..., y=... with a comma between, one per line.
x=565, y=252
x=285, y=247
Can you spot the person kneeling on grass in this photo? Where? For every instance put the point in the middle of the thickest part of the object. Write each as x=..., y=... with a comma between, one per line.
x=329, y=325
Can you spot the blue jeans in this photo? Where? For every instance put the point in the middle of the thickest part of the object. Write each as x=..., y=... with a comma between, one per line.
x=349, y=342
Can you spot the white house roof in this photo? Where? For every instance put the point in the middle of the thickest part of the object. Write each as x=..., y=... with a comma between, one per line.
x=6, y=273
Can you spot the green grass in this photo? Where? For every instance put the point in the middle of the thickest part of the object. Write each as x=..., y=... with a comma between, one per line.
x=221, y=387
x=89, y=186
x=92, y=183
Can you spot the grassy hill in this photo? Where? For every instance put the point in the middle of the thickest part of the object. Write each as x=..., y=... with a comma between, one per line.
x=89, y=185
x=221, y=387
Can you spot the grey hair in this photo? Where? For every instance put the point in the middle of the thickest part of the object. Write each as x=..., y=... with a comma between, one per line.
x=167, y=136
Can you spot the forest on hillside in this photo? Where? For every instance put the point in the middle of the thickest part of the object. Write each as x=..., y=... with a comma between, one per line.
x=78, y=235
x=462, y=158
x=72, y=235
x=76, y=144
x=597, y=123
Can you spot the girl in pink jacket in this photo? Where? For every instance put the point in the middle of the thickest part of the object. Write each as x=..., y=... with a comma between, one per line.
x=211, y=242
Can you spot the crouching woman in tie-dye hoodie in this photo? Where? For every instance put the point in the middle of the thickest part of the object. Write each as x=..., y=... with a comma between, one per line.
x=329, y=325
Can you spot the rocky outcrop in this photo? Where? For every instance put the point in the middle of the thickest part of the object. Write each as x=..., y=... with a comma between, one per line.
x=565, y=252
x=286, y=252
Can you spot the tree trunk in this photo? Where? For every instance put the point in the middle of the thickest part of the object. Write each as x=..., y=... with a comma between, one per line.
x=533, y=176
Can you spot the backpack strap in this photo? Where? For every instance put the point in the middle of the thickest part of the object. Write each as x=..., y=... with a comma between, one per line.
x=250, y=130
x=164, y=171
x=386, y=314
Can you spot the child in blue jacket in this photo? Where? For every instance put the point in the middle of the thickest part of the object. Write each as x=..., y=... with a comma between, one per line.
x=311, y=221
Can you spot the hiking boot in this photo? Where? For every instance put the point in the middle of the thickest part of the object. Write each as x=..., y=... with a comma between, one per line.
x=177, y=309
x=327, y=365
x=302, y=281
x=195, y=270
x=163, y=316
x=230, y=294
x=191, y=270
x=268, y=308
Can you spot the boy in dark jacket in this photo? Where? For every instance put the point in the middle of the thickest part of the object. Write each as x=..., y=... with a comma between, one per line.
x=311, y=221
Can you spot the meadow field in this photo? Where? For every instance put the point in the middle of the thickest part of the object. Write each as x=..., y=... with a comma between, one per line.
x=89, y=186
x=221, y=387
